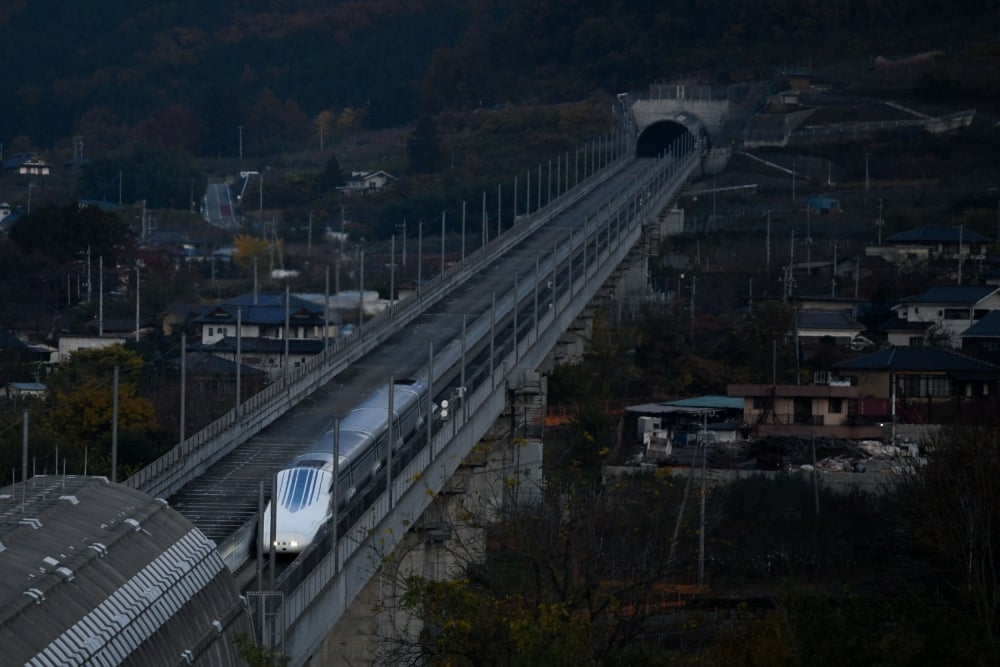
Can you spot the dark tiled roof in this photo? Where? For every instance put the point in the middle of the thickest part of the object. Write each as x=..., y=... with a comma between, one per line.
x=270, y=299
x=958, y=294
x=827, y=319
x=203, y=363
x=988, y=327
x=226, y=314
x=929, y=359
x=262, y=345
x=937, y=234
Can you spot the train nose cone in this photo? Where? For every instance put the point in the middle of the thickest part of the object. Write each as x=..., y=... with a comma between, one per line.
x=291, y=542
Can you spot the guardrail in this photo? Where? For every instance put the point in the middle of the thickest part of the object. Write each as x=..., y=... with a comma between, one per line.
x=167, y=474
x=351, y=562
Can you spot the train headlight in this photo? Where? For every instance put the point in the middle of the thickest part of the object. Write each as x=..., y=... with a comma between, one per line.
x=294, y=544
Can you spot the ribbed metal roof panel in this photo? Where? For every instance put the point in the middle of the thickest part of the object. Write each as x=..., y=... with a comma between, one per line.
x=145, y=587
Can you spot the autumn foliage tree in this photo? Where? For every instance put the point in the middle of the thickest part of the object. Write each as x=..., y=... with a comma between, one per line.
x=250, y=249
x=81, y=399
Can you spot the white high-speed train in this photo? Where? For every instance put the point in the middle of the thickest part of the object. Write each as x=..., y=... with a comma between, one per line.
x=305, y=487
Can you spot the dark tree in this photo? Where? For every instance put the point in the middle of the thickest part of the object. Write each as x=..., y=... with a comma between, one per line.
x=331, y=177
x=164, y=178
x=64, y=233
x=424, y=147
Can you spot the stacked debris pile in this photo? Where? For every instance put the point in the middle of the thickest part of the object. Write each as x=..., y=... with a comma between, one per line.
x=826, y=454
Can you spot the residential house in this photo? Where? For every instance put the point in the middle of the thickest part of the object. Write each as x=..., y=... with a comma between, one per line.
x=946, y=310
x=900, y=332
x=13, y=348
x=829, y=409
x=28, y=164
x=925, y=383
x=70, y=344
x=982, y=339
x=931, y=242
x=16, y=390
x=362, y=182
x=265, y=322
x=813, y=326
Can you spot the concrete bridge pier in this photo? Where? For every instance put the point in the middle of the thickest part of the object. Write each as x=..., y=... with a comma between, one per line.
x=504, y=468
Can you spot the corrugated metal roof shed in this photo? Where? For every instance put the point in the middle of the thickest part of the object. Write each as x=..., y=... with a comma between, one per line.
x=98, y=573
x=697, y=404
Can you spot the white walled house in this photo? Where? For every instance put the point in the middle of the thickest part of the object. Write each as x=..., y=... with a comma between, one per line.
x=262, y=323
x=360, y=182
x=948, y=310
x=70, y=344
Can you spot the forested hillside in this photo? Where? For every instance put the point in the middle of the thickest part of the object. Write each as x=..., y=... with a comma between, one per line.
x=186, y=74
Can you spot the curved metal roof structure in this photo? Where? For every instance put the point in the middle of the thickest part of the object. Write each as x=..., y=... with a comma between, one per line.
x=95, y=573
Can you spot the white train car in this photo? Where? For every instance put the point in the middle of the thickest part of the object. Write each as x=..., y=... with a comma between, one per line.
x=305, y=487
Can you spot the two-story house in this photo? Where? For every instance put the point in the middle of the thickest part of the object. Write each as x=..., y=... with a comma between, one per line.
x=940, y=315
x=924, y=383
x=828, y=408
x=361, y=182
x=263, y=325
x=26, y=164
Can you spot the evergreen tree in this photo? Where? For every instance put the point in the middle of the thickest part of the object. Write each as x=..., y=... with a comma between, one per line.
x=424, y=148
x=331, y=177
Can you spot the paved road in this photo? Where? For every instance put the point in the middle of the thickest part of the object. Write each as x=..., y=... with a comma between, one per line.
x=218, y=206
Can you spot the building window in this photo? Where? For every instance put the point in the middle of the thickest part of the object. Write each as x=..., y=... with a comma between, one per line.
x=210, y=333
x=835, y=406
x=925, y=386
x=916, y=341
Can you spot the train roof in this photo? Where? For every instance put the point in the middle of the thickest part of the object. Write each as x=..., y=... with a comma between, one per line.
x=100, y=573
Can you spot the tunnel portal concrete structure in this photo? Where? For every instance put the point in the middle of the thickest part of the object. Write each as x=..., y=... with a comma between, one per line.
x=666, y=112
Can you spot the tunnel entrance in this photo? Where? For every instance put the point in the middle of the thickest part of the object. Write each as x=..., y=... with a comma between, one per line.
x=657, y=138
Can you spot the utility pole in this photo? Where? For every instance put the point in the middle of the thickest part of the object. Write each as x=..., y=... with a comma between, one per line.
x=961, y=228
x=694, y=289
x=879, y=222
x=767, y=264
x=833, y=272
x=100, y=295
x=114, y=429
x=867, y=181
x=137, y=291
x=309, y=239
